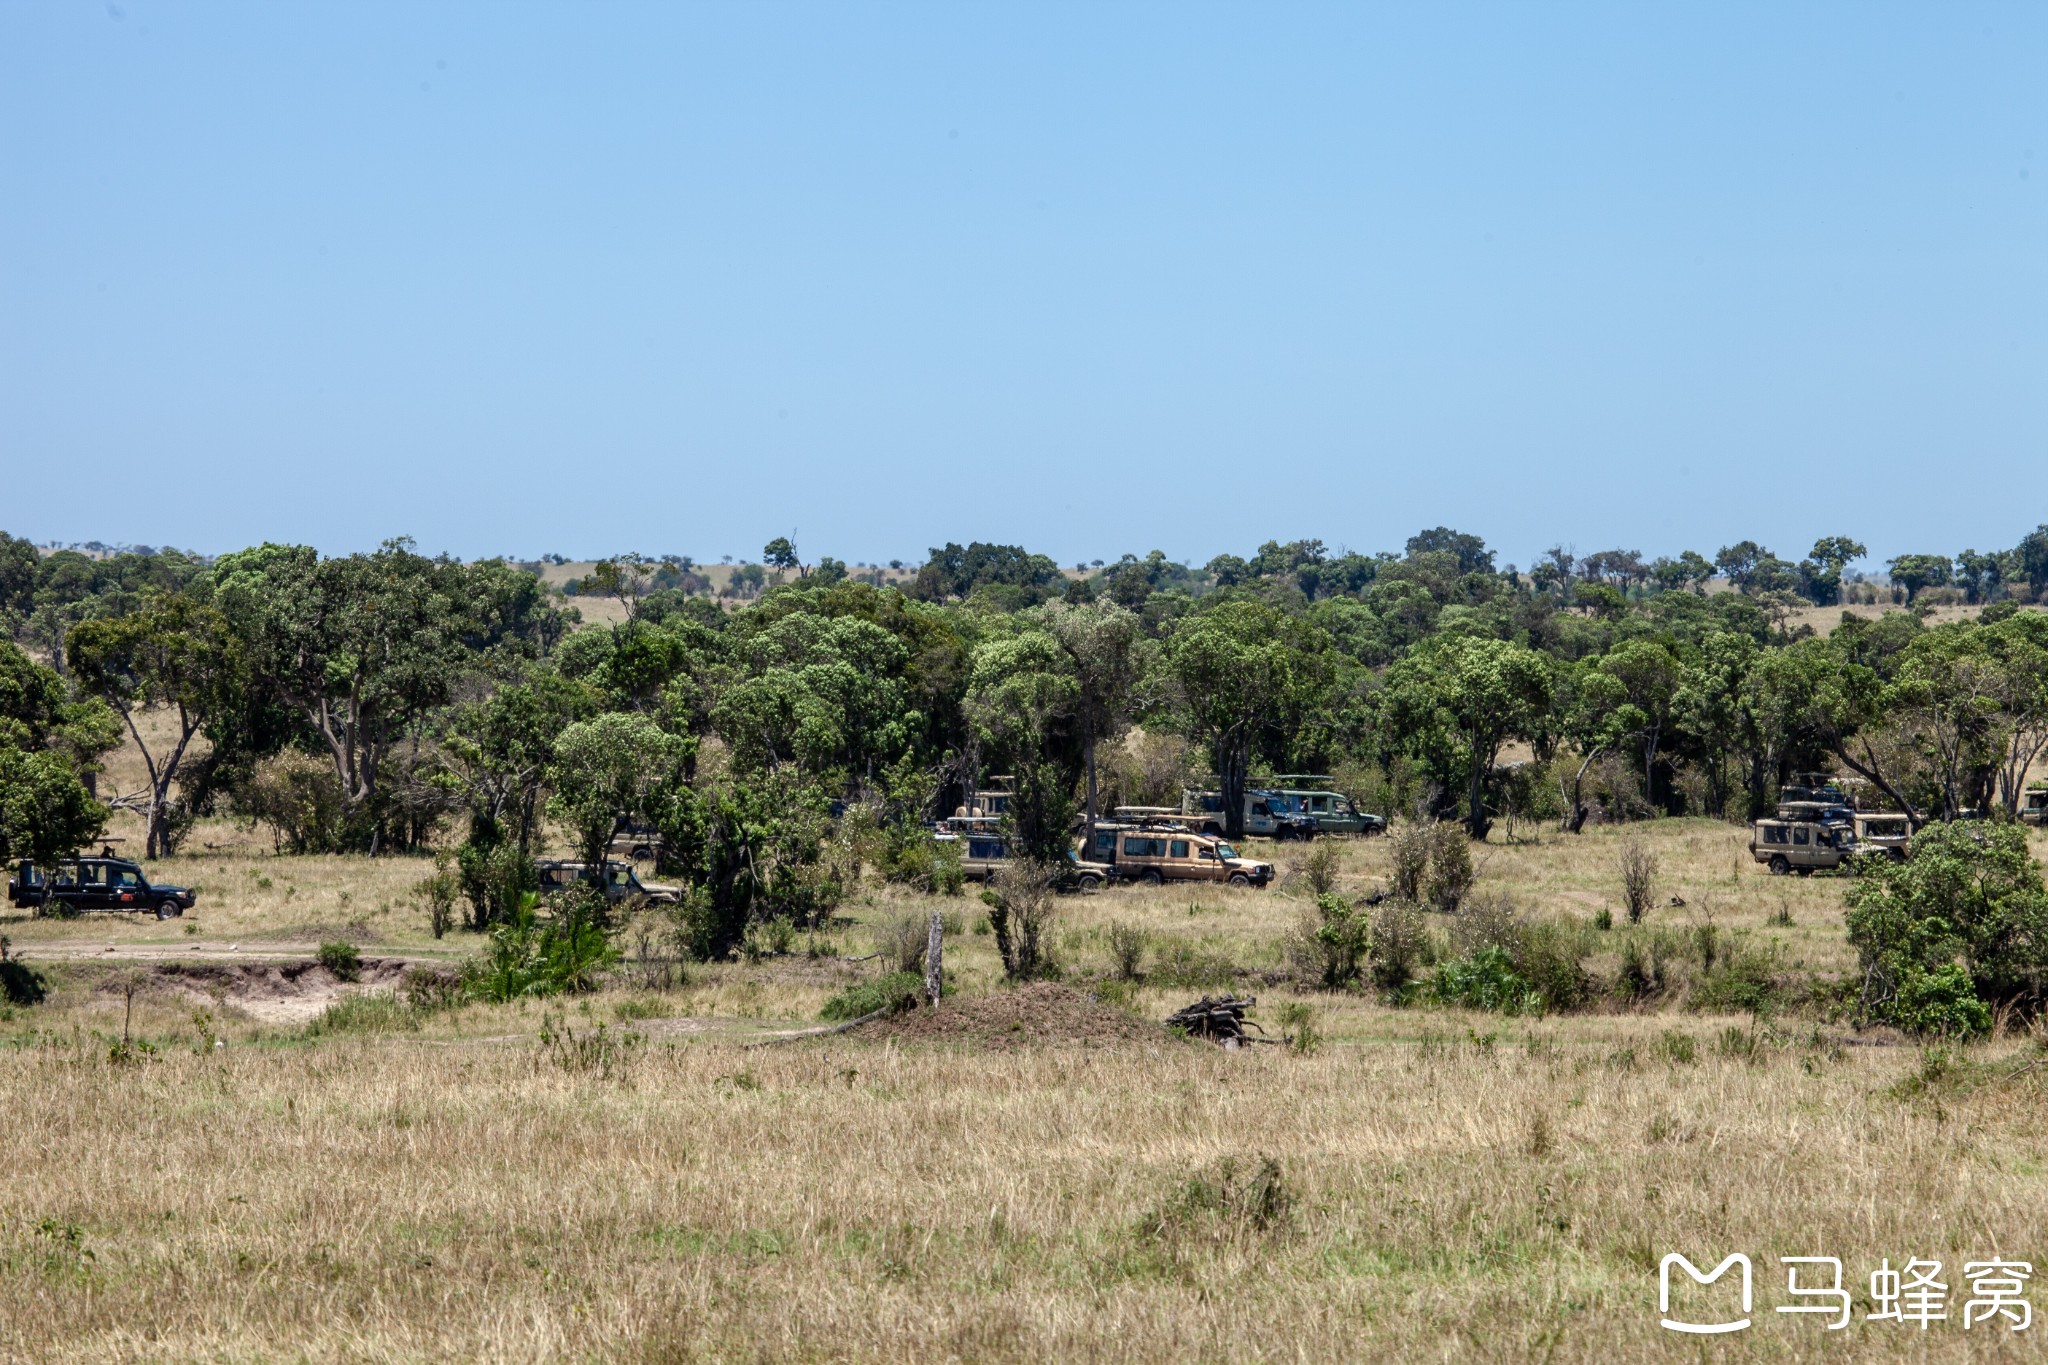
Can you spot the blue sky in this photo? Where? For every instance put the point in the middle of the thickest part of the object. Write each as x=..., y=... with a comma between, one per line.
x=520, y=278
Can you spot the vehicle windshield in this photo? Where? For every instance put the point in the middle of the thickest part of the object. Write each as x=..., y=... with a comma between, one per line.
x=1225, y=851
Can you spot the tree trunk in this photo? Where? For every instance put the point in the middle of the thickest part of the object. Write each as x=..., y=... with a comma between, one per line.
x=1089, y=754
x=1476, y=822
x=1233, y=757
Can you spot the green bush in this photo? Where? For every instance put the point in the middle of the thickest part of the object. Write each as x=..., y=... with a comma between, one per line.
x=897, y=992
x=341, y=958
x=495, y=878
x=567, y=951
x=1485, y=980
x=1969, y=901
x=1326, y=947
x=21, y=984
x=1942, y=1002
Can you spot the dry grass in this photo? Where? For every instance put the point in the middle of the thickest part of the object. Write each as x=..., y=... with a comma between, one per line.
x=1462, y=1186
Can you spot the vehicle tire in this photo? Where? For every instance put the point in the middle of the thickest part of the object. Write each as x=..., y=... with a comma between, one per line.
x=169, y=910
x=642, y=853
x=1897, y=855
x=1238, y=879
x=1150, y=876
x=1089, y=883
x=1779, y=867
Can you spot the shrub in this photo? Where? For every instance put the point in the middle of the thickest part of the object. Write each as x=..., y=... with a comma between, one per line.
x=431, y=988
x=902, y=940
x=1020, y=911
x=438, y=892
x=21, y=984
x=341, y=958
x=1400, y=945
x=895, y=993
x=495, y=878
x=1319, y=868
x=1942, y=1002
x=1126, y=949
x=1327, y=943
x=1409, y=847
x=1638, y=877
x=531, y=956
x=1450, y=867
x=1484, y=980
x=1181, y=965
x=1969, y=899
x=299, y=797
x=1298, y=1018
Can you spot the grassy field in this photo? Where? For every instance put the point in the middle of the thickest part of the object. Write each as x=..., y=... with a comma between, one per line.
x=671, y=1174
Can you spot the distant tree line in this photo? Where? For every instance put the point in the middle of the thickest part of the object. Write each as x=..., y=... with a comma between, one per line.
x=375, y=702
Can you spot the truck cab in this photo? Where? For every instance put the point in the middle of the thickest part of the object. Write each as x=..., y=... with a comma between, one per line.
x=1332, y=811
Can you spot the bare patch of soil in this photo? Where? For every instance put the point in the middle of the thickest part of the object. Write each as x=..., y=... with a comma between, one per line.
x=268, y=992
x=1040, y=1014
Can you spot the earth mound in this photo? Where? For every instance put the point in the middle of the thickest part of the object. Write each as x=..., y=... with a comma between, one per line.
x=1039, y=1014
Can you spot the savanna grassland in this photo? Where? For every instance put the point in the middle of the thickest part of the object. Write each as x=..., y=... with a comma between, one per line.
x=662, y=1170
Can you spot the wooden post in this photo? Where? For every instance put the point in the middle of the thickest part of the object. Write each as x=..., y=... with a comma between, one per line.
x=934, y=953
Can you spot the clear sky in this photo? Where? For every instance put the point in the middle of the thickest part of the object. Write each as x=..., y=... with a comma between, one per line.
x=520, y=278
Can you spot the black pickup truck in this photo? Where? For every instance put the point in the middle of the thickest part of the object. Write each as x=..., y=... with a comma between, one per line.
x=80, y=885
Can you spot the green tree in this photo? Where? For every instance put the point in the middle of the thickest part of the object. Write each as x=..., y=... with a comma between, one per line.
x=1484, y=692
x=610, y=767
x=177, y=655
x=45, y=811
x=779, y=554
x=1104, y=647
x=1650, y=676
x=363, y=649
x=1245, y=672
x=1917, y=572
x=1970, y=896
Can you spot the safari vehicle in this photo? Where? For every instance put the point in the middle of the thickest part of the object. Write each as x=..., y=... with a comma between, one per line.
x=639, y=842
x=1263, y=815
x=1801, y=845
x=2034, y=805
x=983, y=853
x=621, y=882
x=84, y=885
x=1156, y=856
x=1333, y=811
x=1883, y=832
x=991, y=802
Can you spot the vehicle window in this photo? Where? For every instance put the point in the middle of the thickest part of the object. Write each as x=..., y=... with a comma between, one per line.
x=1260, y=808
x=1319, y=803
x=125, y=878
x=1799, y=835
x=1774, y=834
x=1145, y=848
x=984, y=848
x=1225, y=851
x=1178, y=848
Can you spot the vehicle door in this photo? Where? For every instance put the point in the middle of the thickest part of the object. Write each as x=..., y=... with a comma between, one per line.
x=1802, y=851
x=126, y=890
x=1207, y=866
x=1260, y=820
x=90, y=892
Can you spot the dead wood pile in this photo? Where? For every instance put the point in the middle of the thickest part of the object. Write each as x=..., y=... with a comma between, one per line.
x=1220, y=1020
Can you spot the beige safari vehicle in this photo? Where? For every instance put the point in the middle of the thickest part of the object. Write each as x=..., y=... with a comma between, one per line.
x=1883, y=832
x=1156, y=856
x=1801, y=845
x=2034, y=805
